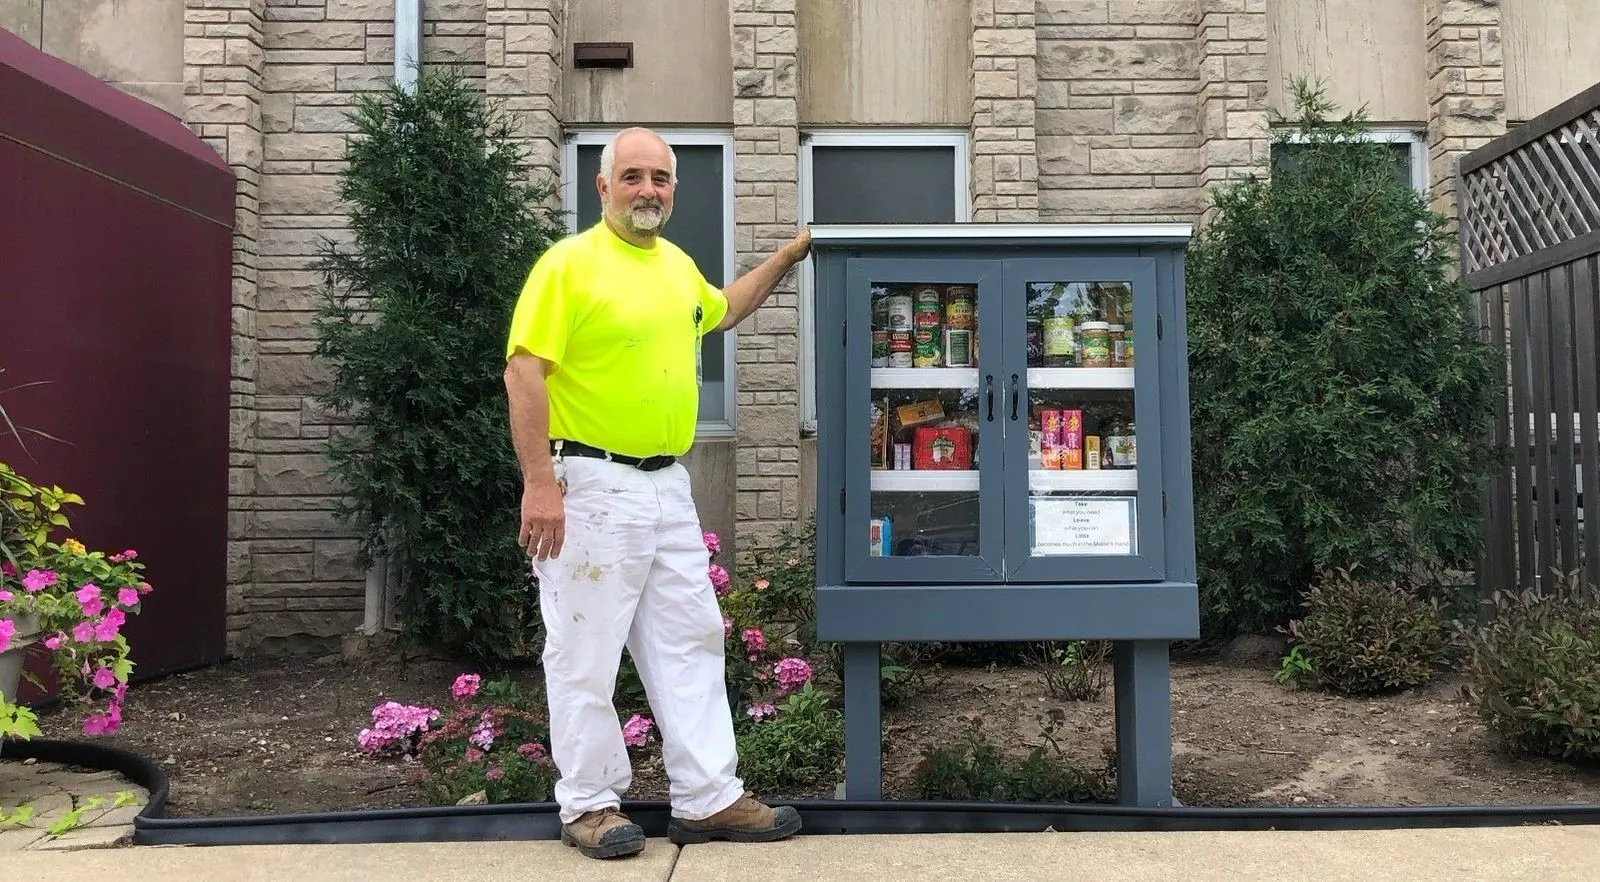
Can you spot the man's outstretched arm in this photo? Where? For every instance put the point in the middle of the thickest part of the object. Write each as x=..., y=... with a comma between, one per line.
x=543, y=514
x=753, y=288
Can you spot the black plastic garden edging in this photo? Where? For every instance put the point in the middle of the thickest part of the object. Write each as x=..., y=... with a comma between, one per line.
x=536, y=821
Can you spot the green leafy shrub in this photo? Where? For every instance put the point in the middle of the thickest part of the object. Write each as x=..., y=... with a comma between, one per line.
x=444, y=230
x=1535, y=673
x=799, y=746
x=1341, y=393
x=1074, y=670
x=1367, y=638
x=976, y=769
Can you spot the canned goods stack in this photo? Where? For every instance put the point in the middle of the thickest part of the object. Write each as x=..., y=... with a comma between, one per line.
x=924, y=326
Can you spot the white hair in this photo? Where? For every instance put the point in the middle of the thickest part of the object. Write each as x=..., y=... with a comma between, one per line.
x=608, y=154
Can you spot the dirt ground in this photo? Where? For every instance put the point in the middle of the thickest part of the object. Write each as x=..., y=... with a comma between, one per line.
x=279, y=736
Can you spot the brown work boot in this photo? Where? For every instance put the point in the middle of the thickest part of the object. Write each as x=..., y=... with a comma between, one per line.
x=606, y=833
x=745, y=821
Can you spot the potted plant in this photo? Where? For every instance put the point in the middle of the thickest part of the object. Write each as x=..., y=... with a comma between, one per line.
x=60, y=598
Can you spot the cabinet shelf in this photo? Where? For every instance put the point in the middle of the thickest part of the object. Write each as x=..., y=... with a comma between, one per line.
x=1080, y=378
x=930, y=481
x=1083, y=480
x=925, y=378
x=967, y=378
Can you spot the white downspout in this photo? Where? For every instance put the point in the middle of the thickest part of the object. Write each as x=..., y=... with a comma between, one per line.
x=407, y=61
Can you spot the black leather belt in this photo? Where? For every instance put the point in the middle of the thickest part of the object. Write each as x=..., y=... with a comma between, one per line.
x=643, y=464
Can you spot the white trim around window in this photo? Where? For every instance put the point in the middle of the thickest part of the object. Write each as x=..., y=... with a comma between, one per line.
x=955, y=139
x=1418, y=139
x=587, y=136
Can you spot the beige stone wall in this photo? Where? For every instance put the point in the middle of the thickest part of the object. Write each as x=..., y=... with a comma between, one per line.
x=1005, y=85
x=767, y=142
x=1466, y=88
x=1233, y=90
x=523, y=53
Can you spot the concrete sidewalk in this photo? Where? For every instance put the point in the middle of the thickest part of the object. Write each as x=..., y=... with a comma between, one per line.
x=1548, y=854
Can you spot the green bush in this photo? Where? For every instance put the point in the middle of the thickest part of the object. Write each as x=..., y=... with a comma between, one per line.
x=800, y=747
x=1367, y=638
x=1535, y=673
x=976, y=770
x=444, y=230
x=1341, y=395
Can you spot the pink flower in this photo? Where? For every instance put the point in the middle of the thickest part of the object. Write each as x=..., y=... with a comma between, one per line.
x=637, y=731
x=97, y=724
x=494, y=773
x=465, y=687
x=128, y=597
x=83, y=632
x=762, y=584
x=531, y=750
x=7, y=628
x=754, y=640
x=713, y=543
x=474, y=755
x=110, y=626
x=7, y=570
x=719, y=579
x=54, y=641
x=104, y=679
x=38, y=580
x=727, y=626
x=792, y=673
x=6, y=596
x=89, y=600
x=759, y=712
x=393, y=723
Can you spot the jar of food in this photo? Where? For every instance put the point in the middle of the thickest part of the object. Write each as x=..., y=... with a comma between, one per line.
x=1059, y=348
x=1096, y=344
x=1119, y=345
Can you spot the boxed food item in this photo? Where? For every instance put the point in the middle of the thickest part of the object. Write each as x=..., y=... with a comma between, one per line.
x=880, y=434
x=920, y=413
x=1091, y=452
x=902, y=457
x=878, y=539
x=941, y=448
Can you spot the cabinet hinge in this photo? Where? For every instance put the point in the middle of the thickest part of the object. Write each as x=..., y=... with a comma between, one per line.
x=1160, y=329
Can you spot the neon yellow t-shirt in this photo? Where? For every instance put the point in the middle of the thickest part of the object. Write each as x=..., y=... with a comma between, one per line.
x=621, y=326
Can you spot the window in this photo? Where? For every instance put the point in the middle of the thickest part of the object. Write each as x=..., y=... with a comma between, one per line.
x=701, y=224
x=1410, y=152
x=874, y=176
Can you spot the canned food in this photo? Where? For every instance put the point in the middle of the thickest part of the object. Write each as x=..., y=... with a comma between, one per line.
x=957, y=347
x=880, y=347
x=898, y=309
x=925, y=348
x=1096, y=344
x=958, y=308
x=926, y=309
x=899, y=348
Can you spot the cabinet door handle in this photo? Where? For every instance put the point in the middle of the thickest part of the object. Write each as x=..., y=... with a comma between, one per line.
x=1013, y=398
x=988, y=384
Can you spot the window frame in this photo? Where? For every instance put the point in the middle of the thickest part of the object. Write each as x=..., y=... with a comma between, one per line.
x=1416, y=138
x=598, y=136
x=957, y=139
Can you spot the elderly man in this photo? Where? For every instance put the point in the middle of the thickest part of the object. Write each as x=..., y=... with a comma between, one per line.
x=603, y=378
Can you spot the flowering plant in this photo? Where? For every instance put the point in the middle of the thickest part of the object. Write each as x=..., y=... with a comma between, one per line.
x=69, y=600
x=758, y=669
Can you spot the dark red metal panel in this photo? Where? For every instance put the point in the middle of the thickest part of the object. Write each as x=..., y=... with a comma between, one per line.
x=116, y=289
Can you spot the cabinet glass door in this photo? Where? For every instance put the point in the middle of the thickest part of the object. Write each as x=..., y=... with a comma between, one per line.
x=922, y=501
x=1082, y=504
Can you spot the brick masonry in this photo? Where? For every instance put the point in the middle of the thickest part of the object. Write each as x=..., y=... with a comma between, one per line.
x=766, y=204
x=1466, y=88
x=1005, y=80
x=1082, y=110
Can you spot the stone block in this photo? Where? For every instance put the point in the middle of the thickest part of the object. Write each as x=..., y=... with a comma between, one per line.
x=307, y=623
x=765, y=167
x=300, y=194
x=1071, y=12
x=291, y=374
x=1469, y=12
x=995, y=84
x=336, y=561
x=1003, y=41
x=1156, y=114
x=282, y=567
x=293, y=475
x=1067, y=121
x=1152, y=162
x=317, y=35
x=776, y=41
x=776, y=112
x=1013, y=113
x=1137, y=59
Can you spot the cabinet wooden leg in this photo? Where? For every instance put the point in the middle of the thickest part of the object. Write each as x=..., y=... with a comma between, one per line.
x=1144, y=723
x=863, y=722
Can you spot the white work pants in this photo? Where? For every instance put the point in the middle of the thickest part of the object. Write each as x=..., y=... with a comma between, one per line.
x=633, y=571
